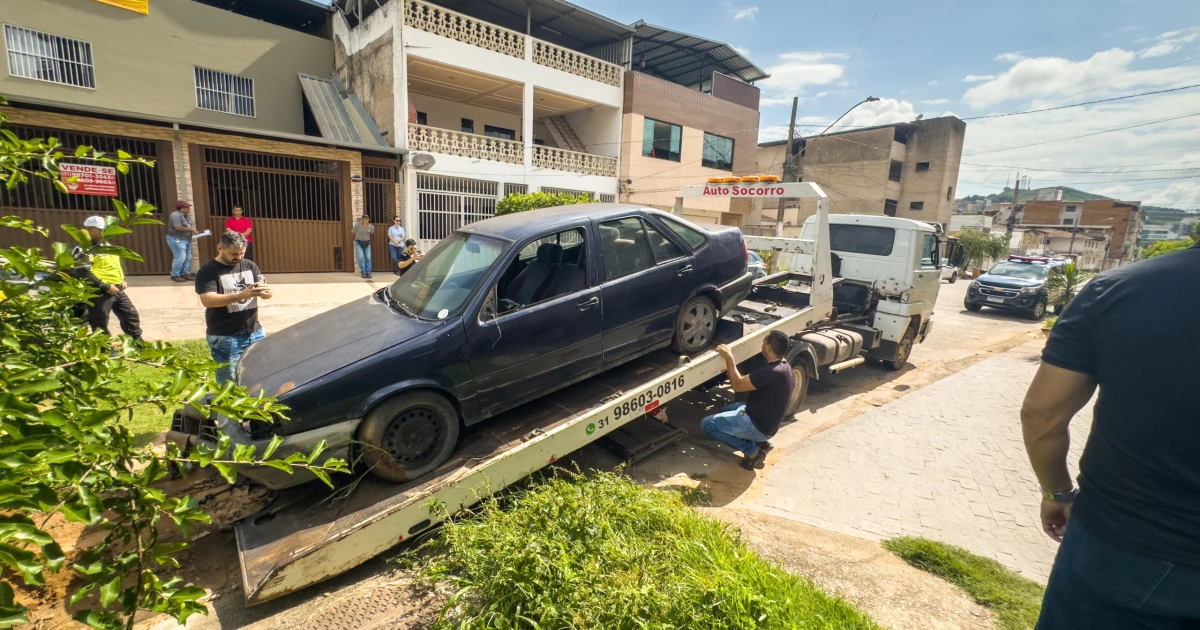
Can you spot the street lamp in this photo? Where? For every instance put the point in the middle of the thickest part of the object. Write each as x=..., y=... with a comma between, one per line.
x=869, y=99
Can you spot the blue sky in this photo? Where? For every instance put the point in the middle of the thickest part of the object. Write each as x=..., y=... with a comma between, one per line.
x=975, y=57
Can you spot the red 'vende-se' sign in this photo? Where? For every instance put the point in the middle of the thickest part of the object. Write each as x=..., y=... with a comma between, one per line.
x=89, y=179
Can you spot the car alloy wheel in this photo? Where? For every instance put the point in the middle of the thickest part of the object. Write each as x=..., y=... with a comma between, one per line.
x=696, y=326
x=1039, y=310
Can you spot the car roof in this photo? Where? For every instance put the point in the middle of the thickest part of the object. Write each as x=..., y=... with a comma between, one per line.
x=519, y=225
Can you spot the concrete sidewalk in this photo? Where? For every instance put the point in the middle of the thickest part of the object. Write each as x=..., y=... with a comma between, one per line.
x=172, y=311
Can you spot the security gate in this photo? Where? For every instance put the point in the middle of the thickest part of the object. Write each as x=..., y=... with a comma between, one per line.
x=445, y=204
x=297, y=205
x=379, y=203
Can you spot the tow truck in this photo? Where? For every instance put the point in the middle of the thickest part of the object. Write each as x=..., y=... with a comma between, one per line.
x=872, y=299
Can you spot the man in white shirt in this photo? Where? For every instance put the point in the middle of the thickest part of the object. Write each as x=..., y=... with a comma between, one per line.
x=396, y=243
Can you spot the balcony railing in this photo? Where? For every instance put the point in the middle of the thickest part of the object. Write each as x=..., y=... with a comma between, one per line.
x=574, y=162
x=577, y=63
x=476, y=32
x=470, y=145
x=466, y=29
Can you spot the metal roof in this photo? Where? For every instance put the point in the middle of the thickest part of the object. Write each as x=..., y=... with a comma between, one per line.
x=680, y=58
x=338, y=114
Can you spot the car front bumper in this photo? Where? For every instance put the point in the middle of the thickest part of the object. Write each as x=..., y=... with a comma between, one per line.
x=1020, y=302
x=189, y=430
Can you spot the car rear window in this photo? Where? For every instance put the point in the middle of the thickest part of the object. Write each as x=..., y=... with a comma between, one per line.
x=690, y=235
x=862, y=239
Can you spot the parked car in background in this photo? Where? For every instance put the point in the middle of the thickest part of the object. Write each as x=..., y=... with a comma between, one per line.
x=1017, y=284
x=949, y=272
x=496, y=314
x=755, y=264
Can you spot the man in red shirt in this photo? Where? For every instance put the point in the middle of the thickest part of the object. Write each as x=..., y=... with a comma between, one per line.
x=242, y=225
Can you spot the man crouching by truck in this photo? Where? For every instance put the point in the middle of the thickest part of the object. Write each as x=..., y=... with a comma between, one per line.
x=748, y=426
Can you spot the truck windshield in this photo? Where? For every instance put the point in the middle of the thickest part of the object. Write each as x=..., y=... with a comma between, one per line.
x=439, y=284
x=861, y=239
x=1020, y=270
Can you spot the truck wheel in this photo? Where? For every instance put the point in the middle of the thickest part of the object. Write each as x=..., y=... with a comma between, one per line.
x=953, y=278
x=903, y=350
x=696, y=325
x=409, y=436
x=799, y=388
x=974, y=308
x=1038, y=312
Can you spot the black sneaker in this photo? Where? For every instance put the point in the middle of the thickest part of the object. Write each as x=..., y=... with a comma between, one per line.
x=750, y=463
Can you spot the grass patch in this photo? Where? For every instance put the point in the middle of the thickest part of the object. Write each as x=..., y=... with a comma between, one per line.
x=147, y=420
x=1015, y=600
x=599, y=551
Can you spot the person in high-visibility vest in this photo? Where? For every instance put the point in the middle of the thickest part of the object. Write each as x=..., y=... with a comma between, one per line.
x=104, y=272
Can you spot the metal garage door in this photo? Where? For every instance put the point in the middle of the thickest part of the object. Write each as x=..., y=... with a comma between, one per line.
x=40, y=201
x=298, y=207
x=379, y=202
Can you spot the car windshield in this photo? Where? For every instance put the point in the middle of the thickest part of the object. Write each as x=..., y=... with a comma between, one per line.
x=755, y=259
x=439, y=284
x=1023, y=271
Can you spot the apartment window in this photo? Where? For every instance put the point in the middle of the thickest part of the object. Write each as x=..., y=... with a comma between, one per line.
x=1072, y=208
x=922, y=167
x=468, y=125
x=661, y=140
x=223, y=92
x=950, y=193
x=718, y=152
x=515, y=189
x=916, y=205
x=1068, y=221
x=499, y=132
x=895, y=170
x=422, y=118
x=45, y=57
x=889, y=207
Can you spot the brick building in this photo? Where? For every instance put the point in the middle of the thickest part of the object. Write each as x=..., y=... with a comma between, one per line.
x=1118, y=221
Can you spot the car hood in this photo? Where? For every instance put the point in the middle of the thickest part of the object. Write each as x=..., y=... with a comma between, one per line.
x=1008, y=281
x=326, y=343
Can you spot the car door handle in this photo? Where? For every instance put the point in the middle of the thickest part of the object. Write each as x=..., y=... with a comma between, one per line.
x=589, y=303
x=684, y=270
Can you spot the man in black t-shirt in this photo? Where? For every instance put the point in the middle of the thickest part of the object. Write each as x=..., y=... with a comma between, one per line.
x=408, y=257
x=229, y=287
x=1130, y=554
x=748, y=426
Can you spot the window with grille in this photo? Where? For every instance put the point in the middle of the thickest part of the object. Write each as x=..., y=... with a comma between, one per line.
x=223, y=92
x=515, y=189
x=566, y=191
x=604, y=198
x=45, y=57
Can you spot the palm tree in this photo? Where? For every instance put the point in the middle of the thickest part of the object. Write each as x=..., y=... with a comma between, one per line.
x=1064, y=284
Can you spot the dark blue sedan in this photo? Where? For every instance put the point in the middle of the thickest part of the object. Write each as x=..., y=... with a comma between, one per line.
x=498, y=313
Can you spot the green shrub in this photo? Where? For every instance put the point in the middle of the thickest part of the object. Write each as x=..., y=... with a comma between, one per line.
x=520, y=202
x=598, y=551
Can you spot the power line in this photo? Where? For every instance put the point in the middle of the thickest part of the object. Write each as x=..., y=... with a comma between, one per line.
x=998, y=148
x=1103, y=100
x=854, y=52
x=1125, y=79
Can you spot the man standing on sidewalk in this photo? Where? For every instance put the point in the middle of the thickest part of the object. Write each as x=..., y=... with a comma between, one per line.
x=105, y=273
x=362, y=232
x=396, y=243
x=241, y=224
x=1130, y=554
x=229, y=287
x=179, y=238
x=748, y=426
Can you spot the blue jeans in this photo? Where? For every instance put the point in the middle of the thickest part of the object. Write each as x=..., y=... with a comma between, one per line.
x=733, y=427
x=228, y=349
x=363, y=254
x=181, y=252
x=1096, y=584
x=395, y=251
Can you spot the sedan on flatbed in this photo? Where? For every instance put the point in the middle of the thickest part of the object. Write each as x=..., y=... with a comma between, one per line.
x=498, y=313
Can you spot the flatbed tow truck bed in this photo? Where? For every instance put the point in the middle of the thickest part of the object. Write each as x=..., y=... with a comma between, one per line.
x=309, y=534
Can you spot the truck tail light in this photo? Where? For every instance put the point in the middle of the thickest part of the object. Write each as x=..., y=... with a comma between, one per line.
x=745, y=252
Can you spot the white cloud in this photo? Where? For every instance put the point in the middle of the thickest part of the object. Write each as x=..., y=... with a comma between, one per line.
x=934, y=83
x=794, y=71
x=936, y=101
x=975, y=78
x=1044, y=76
x=881, y=112
x=744, y=13
x=1170, y=42
x=1009, y=57
x=742, y=50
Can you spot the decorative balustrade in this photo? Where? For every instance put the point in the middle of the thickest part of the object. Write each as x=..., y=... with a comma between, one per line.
x=567, y=60
x=434, y=140
x=464, y=28
x=574, y=162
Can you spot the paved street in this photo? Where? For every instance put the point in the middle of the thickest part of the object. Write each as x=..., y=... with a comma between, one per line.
x=946, y=462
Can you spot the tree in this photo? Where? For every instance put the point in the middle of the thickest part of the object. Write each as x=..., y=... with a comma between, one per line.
x=64, y=447
x=1062, y=286
x=520, y=202
x=979, y=247
x=1166, y=247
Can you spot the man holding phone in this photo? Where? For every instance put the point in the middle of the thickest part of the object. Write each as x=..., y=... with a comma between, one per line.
x=229, y=287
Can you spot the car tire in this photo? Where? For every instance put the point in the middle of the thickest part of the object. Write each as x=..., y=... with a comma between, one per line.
x=953, y=278
x=408, y=436
x=1038, y=312
x=903, y=350
x=799, y=387
x=974, y=308
x=696, y=326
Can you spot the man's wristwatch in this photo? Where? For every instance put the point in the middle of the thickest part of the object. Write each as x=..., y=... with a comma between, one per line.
x=1060, y=497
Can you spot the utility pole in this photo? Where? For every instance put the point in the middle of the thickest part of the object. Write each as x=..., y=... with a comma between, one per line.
x=789, y=171
x=1012, y=215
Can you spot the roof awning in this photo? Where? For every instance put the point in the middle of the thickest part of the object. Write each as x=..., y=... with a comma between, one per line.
x=682, y=58
x=339, y=114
